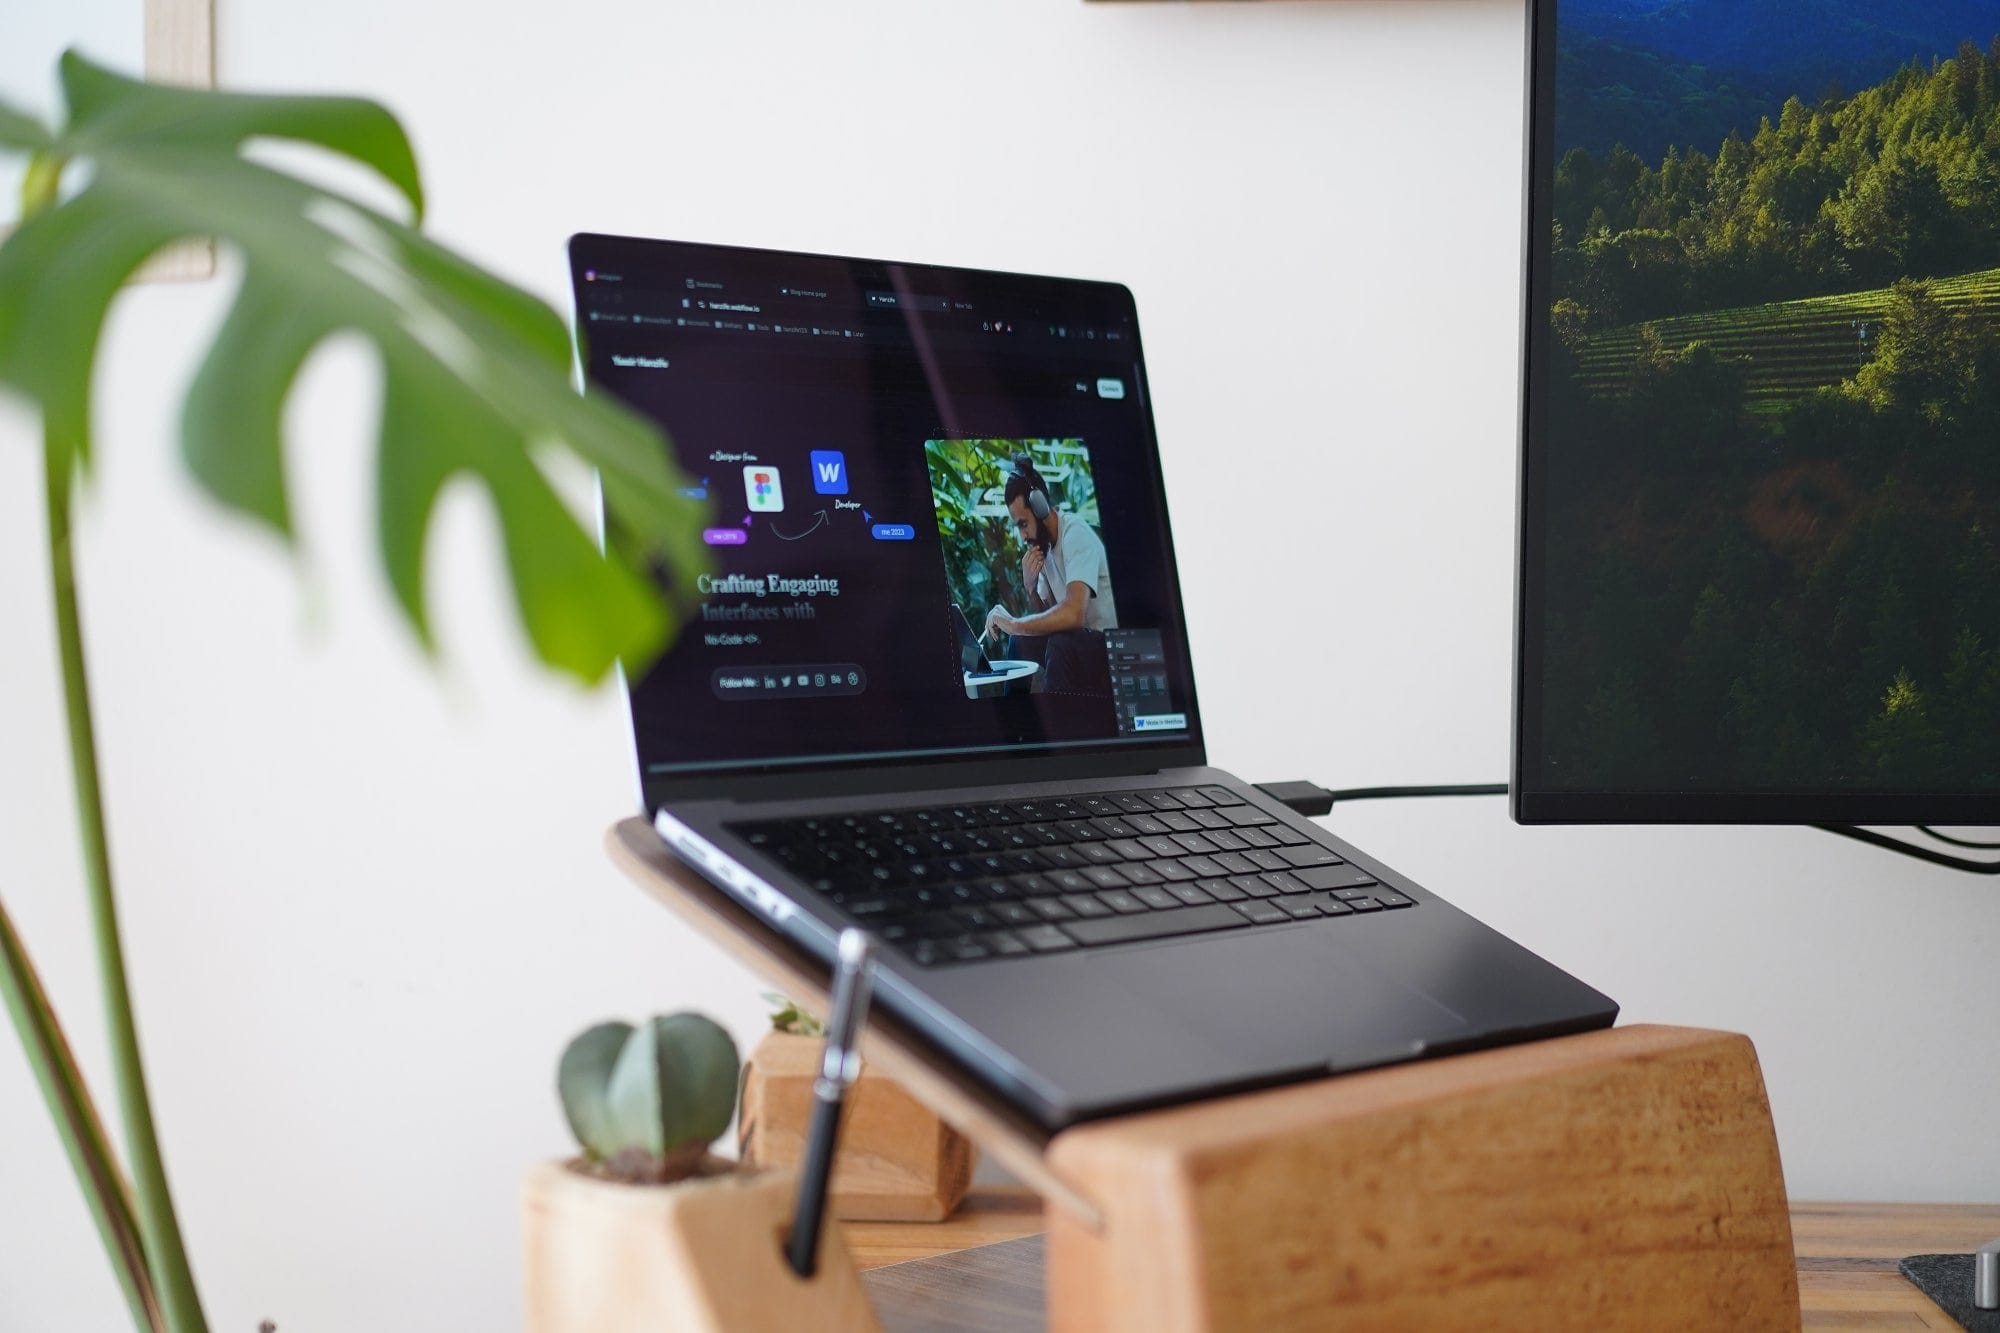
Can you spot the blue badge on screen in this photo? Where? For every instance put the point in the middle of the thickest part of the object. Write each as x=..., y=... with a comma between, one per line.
x=829, y=469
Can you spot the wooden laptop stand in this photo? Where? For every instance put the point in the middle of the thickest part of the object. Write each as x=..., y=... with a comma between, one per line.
x=1623, y=1179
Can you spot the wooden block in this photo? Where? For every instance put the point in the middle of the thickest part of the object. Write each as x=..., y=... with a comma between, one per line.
x=897, y=1161
x=1625, y=1179
x=701, y=1256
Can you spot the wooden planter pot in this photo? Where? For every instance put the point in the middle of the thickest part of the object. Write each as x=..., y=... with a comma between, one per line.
x=897, y=1161
x=703, y=1254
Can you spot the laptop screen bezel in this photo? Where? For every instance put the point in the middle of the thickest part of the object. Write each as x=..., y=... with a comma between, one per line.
x=1023, y=762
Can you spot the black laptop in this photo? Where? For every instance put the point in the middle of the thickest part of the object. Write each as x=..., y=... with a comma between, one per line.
x=1075, y=906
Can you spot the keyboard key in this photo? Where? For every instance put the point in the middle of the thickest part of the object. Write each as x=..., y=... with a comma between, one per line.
x=1253, y=886
x=1203, y=867
x=1114, y=828
x=1388, y=899
x=1155, y=897
x=1128, y=849
x=1220, y=795
x=1154, y=925
x=1193, y=844
x=1283, y=882
x=1208, y=819
x=1191, y=894
x=1332, y=906
x=1256, y=837
x=1104, y=877
x=965, y=949
x=1140, y=873
x=1190, y=797
x=1348, y=895
x=1086, y=904
x=1244, y=816
x=1302, y=908
x=1069, y=881
x=1047, y=939
x=1014, y=914
x=1132, y=803
x=1121, y=901
x=1286, y=835
x=1265, y=860
x=1063, y=858
x=1161, y=846
x=1171, y=871
x=1261, y=914
x=1052, y=909
x=1003, y=944
x=1221, y=890
x=1235, y=864
x=1311, y=855
x=1177, y=821
x=1334, y=877
x=1097, y=853
x=1226, y=840
x=1363, y=904
x=1147, y=825
x=1032, y=884
x=1097, y=805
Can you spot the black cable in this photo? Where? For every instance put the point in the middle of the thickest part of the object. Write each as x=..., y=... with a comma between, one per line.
x=1960, y=842
x=1875, y=839
x=1312, y=800
x=1383, y=793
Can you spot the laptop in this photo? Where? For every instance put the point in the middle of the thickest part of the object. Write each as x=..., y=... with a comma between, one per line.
x=1075, y=907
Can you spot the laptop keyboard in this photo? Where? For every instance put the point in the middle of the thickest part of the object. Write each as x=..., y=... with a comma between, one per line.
x=1006, y=879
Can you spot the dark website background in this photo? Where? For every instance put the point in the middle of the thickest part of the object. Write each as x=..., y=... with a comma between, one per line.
x=835, y=355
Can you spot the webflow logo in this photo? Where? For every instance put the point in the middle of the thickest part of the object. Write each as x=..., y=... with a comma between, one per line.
x=829, y=469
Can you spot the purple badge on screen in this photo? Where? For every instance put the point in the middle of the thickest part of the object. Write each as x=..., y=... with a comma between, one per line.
x=725, y=536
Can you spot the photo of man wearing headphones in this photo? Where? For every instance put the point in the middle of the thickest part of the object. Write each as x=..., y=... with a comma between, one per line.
x=1068, y=580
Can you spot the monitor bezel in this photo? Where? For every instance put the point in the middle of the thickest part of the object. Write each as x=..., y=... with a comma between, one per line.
x=1541, y=804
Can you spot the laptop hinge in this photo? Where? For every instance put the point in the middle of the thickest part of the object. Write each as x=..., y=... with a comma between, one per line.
x=799, y=784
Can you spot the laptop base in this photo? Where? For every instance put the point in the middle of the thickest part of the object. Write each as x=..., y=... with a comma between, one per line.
x=1612, y=1179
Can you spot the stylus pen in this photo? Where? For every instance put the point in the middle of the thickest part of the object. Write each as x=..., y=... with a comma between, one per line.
x=838, y=1068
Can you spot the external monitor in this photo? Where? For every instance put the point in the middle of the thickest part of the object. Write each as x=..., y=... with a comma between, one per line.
x=1760, y=483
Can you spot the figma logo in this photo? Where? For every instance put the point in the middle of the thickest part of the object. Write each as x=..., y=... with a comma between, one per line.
x=762, y=490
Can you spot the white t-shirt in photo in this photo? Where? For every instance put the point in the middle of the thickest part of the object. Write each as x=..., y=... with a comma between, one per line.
x=1078, y=557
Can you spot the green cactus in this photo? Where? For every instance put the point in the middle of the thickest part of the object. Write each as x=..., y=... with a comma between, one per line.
x=645, y=1102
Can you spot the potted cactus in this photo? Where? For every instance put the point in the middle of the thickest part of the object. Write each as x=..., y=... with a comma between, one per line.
x=646, y=1229
x=898, y=1161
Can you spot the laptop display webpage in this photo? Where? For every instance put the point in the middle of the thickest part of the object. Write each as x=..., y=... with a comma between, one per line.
x=892, y=454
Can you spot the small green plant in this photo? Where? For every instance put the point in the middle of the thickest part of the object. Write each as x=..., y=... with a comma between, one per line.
x=645, y=1102
x=786, y=1016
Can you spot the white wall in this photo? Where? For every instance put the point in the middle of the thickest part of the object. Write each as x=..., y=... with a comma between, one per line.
x=366, y=901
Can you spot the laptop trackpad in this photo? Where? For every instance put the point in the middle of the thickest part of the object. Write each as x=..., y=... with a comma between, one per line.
x=1289, y=997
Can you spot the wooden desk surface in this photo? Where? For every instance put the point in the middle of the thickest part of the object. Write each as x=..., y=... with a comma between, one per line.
x=1847, y=1252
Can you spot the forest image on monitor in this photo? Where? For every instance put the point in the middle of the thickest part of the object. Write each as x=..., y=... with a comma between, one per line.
x=1772, y=432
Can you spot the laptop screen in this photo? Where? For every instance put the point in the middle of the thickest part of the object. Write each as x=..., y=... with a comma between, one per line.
x=893, y=454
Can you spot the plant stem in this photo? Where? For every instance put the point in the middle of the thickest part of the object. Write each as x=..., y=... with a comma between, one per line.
x=77, y=1121
x=159, y=1229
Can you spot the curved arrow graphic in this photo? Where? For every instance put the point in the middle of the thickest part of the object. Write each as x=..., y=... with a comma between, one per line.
x=816, y=524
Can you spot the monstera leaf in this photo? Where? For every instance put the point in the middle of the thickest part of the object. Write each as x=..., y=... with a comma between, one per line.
x=475, y=371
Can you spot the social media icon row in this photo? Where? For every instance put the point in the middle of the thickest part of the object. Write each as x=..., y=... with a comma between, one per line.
x=820, y=679
x=764, y=487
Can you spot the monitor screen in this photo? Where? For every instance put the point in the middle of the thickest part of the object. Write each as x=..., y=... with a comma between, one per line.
x=936, y=522
x=1760, y=537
